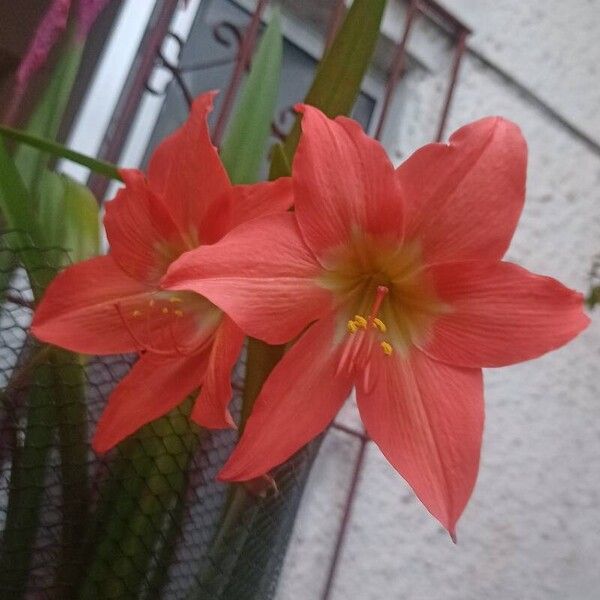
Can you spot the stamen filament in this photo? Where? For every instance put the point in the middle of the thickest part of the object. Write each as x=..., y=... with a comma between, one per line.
x=141, y=347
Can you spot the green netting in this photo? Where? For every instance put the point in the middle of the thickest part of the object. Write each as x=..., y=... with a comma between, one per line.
x=138, y=522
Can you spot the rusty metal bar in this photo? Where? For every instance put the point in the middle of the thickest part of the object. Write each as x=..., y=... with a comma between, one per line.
x=397, y=67
x=242, y=63
x=459, y=52
x=132, y=93
x=350, y=431
x=358, y=466
x=435, y=10
x=337, y=16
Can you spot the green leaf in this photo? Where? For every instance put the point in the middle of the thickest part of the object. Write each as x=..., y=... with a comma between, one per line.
x=26, y=237
x=28, y=470
x=69, y=214
x=99, y=166
x=280, y=164
x=71, y=418
x=245, y=142
x=341, y=71
x=8, y=264
x=15, y=201
x=48, y=115
x=138, y=505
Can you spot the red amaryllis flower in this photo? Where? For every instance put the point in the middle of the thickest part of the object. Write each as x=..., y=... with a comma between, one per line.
x=113, y=304
x=395, y=282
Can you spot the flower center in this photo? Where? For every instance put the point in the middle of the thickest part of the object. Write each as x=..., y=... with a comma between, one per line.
x=385, y=285
x=361, y=324
x=365, y=333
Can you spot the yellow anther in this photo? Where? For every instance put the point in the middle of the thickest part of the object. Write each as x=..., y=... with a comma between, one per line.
x=352, y=326
x=136, y=313
x=165, y=310
x=387, y=348
x=175, y=300
x=379, y=324
x=179, y=313
x=151, y=303
x=360, y=321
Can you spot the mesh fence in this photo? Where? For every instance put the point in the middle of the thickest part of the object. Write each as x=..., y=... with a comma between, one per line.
x=139, y=521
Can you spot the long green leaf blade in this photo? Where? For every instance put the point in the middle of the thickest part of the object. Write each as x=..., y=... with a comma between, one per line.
x=242, y=151
x=95, y=164
x=339, y=75
x=48, y=115
x=27, y=485
x=69, y=214
x=139, y=502
x=26, y=238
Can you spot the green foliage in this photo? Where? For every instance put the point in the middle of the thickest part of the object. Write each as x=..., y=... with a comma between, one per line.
x=16, y=209
x=98, y=166
x=69, y=214
x=246, y=139
x=339, y=75
x=43, y=210
x=139, y=506
x=48, y=114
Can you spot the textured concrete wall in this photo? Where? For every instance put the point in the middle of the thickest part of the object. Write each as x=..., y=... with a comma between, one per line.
x=532, y=528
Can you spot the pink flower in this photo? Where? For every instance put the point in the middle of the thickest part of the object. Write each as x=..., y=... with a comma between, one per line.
x=51, y=26
x=87, y=13
x=394, y=282
x=113, y=304
x=46, y=36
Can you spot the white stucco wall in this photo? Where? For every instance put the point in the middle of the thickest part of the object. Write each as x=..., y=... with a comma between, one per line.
x=532, y=528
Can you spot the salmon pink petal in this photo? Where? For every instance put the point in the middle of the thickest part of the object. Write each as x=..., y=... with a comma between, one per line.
x=343, y=183
x=154, y=386
x=499, y=314
x=299, y=399
x=186, y=170
x=260, y=199
x=427, y=419
x=144, y=239
x=211, y=408
x=78, y=311
x=243, y=203
x=261, y=274
x=464, y=198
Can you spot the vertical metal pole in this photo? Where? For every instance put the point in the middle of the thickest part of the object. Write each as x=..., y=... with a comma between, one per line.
x=129, y=101
x=397, y=67
x=242, y=62
x=461, y=45
x=358, y=466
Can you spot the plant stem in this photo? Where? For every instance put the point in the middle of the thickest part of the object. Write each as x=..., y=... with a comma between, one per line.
x=145, y=488
x=71, y=417
x=261, y=360
x=27, y=485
